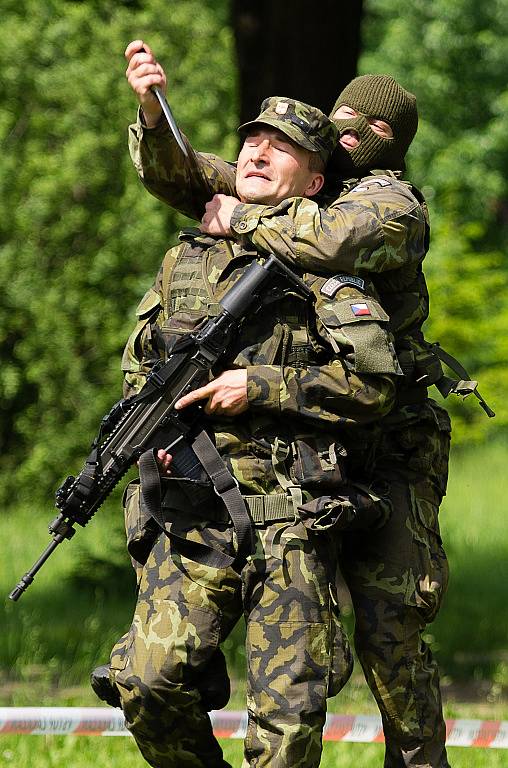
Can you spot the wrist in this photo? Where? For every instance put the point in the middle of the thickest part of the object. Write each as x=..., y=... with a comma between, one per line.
x=150, y=119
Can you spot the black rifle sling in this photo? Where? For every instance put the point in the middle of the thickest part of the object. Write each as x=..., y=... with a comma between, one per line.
x=226, y=488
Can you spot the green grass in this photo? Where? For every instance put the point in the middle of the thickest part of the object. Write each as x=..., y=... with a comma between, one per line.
x=61, y=628
x=470, y=635
x=84, y=751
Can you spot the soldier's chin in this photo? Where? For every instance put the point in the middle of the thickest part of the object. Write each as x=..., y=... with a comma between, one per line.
x=255, y=190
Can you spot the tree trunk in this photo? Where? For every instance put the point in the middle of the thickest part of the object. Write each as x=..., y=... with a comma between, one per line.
x=296, y=49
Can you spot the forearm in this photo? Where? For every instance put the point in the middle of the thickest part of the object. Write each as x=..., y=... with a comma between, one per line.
x=185, y=184
x=347, y=237
x=320, y=394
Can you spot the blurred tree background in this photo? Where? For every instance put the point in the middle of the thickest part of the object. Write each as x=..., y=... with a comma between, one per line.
x=80, y=239
x=454, y=55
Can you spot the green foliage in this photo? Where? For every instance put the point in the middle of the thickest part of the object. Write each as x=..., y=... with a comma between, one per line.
x=80, y=239
x=452, y=54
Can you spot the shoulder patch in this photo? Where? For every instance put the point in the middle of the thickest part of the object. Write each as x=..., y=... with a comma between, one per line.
x=365, y=186
x=335, y=283
x=360, y=309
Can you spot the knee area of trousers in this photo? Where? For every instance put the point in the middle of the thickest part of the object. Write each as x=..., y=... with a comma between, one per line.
x=147, y=695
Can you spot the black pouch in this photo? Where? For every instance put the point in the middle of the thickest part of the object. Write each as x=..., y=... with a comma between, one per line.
x=185, y=495
x=318, y=463
x=355, y=508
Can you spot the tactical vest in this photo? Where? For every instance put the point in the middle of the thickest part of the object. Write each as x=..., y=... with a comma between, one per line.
x=267, y=455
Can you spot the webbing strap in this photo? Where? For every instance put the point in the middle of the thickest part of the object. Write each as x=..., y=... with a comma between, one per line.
x=270, y=509
x=226, y=487
x=152, y=497
x=464, y=386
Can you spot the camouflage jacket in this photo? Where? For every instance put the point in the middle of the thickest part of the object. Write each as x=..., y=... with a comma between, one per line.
x=376, y=226
x=311, y=366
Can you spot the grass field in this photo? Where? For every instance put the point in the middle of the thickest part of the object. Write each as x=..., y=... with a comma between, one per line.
x=86, y=751
x=61, y=628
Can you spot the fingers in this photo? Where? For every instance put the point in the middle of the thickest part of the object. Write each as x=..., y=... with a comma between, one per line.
x=208, y=217
x=143, y=70
x=210, y=392
x=164, y=460
x=134, y=47
x=217, y=217
x=211, y=221
x=225, y=395
x=202, y=393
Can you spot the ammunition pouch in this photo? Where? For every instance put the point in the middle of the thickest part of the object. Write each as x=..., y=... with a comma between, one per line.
x=193, y=499
x=141, y=529
x=309, y=462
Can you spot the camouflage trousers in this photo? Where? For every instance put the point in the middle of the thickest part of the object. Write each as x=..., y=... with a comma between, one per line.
x=397, y=577
x=297, y=652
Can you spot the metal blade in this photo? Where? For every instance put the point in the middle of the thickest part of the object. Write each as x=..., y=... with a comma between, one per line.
x=171, y=120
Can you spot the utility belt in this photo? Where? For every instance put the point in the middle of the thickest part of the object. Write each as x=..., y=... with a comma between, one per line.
x=263, y=509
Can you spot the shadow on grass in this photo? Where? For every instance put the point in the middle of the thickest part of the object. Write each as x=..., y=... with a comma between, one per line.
x=63, y=631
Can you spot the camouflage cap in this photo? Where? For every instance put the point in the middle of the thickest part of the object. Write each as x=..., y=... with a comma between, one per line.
x=307, y=126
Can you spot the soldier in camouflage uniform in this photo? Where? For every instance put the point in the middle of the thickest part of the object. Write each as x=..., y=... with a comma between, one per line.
x=302, y=373
x=367, y=222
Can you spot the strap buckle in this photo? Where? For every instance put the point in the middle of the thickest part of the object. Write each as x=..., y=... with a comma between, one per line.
x=223, y=481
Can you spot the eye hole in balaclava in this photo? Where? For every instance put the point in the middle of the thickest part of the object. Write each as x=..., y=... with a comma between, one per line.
x=376, y=96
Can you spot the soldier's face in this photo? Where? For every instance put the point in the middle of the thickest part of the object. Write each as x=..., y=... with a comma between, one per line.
x=349, y=138
x=272, y=168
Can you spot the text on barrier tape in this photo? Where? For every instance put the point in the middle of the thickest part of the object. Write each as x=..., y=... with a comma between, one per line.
x=103, y=721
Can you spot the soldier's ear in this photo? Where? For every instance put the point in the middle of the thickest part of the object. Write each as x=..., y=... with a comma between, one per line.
x=314, y=185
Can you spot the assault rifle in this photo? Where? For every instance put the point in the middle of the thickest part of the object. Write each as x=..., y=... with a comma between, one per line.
x=138, y=424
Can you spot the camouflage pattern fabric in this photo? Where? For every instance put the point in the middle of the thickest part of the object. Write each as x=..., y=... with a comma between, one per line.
x=305, y=125
x=397, y=577
x=376, y=226
x=159, y=165
x=297, y=385
x=295, y=353
x=297, y=653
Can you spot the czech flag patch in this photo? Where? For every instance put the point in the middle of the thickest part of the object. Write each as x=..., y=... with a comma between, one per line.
x=360, y=309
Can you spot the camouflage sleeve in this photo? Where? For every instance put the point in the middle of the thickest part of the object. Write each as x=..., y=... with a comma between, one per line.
x=357, y=385
x=185, y=184
x=323, y=395
x=368, y=229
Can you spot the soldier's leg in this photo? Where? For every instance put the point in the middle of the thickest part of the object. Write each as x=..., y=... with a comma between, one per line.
x=297, y=652
x=397, y=579
x=183, y=611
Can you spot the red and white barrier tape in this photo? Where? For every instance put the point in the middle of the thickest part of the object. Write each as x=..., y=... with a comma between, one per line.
x=102, y=721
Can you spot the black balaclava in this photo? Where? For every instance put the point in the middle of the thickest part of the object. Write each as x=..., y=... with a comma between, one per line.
x=382, y=97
